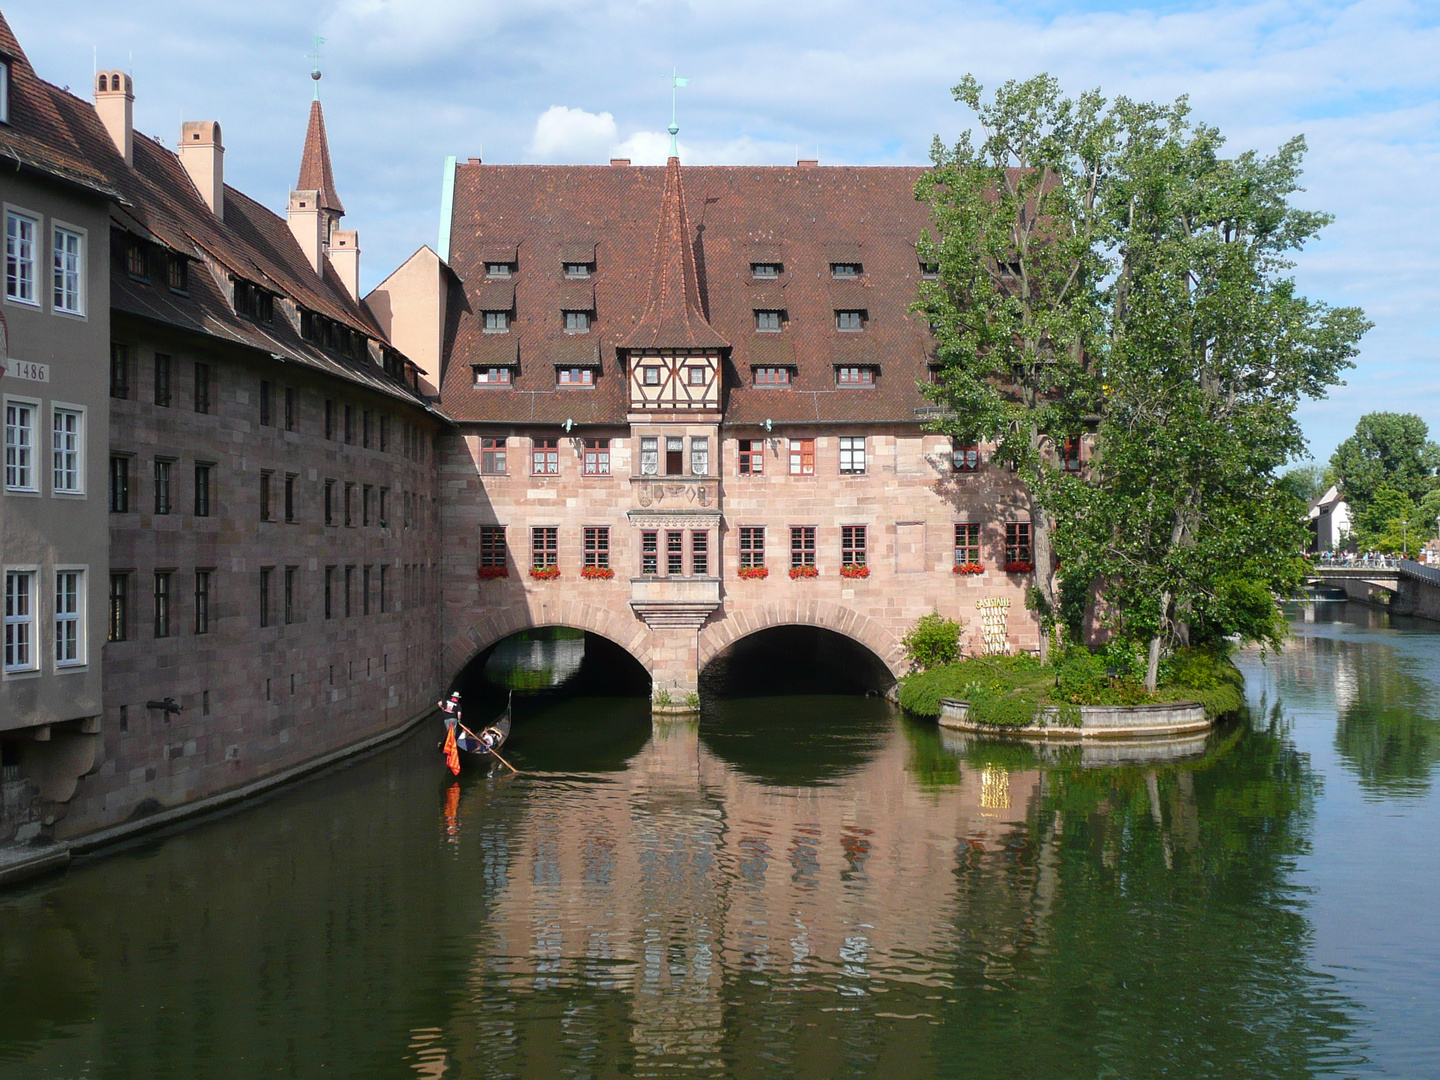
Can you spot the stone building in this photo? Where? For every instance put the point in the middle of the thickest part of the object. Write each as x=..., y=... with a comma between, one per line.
x=259, y=454
x=689, y=409
x=54, y=336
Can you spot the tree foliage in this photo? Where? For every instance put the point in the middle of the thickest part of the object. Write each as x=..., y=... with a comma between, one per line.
x=1183, y=337
x=932, y=641
x=1391, y=450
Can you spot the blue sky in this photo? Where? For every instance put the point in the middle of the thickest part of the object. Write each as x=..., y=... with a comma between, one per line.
x=409, y=81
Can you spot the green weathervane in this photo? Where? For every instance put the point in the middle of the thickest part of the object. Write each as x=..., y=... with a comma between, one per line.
x=315, y=74
x=675, y=81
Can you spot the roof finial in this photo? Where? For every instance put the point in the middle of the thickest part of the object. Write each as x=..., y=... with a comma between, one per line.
x=675, y=81
x=315, y=74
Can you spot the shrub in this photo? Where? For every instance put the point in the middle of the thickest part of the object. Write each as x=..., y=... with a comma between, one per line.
x=662, y=698
x=932, y=641
x=1206, y=675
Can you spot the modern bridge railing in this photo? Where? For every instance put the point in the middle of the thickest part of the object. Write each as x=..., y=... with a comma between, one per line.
x=1405, y=567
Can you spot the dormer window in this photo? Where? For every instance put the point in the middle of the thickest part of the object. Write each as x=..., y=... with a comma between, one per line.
x=4, y=91
x=578, y=270
x=850, y=321
x=772, y=376
x=854, y=376
x=492, y=376
x=498, y=269
x=177, y=274
x=930, y=271
x=577, y=322
x=845, y=270
x=137, y=262
x=575, y=376
x=257, y=305
x=769, y=322
x=497, y=322
x=765, y=269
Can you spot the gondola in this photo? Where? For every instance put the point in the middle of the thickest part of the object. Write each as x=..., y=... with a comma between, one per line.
x=487, y=743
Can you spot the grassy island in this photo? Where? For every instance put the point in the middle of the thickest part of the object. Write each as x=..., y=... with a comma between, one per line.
x=1011, y=691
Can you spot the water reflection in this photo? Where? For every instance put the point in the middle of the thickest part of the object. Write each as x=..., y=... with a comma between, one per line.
x=791, y=887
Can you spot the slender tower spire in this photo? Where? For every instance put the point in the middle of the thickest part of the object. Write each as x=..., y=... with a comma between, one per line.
x=315, y=173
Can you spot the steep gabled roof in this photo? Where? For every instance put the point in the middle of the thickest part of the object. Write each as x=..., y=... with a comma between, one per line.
x=315, y=174
x=37, y=135
x=673, y=318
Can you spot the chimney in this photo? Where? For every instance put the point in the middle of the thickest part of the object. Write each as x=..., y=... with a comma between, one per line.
x=808, y=163
x=307, y=222
x=204, y=159
x=619, y=162
x=345, y=257
x=115, y=104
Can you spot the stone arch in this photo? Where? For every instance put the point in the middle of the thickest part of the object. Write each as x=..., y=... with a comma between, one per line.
x=868, y=632
x=622, y=630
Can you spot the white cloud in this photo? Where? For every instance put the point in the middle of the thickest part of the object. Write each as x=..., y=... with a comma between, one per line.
x=572, y=136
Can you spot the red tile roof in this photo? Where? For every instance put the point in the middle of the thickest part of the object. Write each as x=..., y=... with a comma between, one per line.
x=158, y=203
x=645, y=254
x=37, y=135
x=315, y=174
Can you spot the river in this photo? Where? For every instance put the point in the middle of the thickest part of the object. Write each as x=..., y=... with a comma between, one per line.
x=801, y=886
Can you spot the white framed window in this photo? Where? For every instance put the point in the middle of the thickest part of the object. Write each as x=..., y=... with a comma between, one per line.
x=20, y=233
x=852, y=454
x=69, y=270
x=649, y=456
x=69, y=617
x=20, y=652
x=699, y=456
x=20, y=445
x=67, y=451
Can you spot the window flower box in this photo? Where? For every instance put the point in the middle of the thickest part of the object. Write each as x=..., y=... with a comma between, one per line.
x=804, y=572
x=544, y=573
x=969, y=568
x=1019, y=568
x=487, y=572
x=597, y=573
x=854, y=570
x=754, y=573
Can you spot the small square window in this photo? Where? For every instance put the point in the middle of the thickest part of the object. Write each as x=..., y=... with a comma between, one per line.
x=850, y=320
x=695, y=376
x=768, y=322
x=930, y=271
x=493, y=376
x=966, y=456
x=497, y=322
x=650, y=375
x=765, y=270
x=577, y=322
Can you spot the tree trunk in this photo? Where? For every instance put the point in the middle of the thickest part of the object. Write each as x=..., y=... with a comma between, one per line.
x=1152, y=664
x=1041, y=552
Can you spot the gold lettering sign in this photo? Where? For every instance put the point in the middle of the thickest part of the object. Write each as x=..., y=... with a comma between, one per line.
x=994, y=618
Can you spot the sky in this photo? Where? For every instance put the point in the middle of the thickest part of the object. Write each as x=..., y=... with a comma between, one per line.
x=407, y=82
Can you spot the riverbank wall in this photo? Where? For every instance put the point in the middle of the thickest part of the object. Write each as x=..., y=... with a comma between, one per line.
x=1097, y=722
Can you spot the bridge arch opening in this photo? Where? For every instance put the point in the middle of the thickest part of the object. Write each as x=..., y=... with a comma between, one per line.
x=556, y=673
x=794, y=659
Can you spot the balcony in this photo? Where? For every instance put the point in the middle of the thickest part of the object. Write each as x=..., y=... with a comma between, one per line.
x=680, y=603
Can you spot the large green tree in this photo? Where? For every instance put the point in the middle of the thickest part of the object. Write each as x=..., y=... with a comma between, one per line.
x=1388, y=449
x=1017, y=300
x=1159, y=307
x=1210, y=349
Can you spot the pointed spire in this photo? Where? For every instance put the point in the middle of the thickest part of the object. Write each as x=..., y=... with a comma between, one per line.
x=315, y=174
x=673, y=316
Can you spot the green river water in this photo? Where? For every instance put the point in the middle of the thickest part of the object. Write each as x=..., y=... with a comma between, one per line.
x=797, y=886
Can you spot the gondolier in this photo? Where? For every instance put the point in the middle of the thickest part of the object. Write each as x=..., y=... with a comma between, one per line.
x=458, y=737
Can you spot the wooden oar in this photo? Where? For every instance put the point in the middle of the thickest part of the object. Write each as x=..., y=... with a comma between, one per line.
x=488, y=750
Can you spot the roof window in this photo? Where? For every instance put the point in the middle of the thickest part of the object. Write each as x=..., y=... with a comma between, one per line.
x=497, y=322
x=769, y=321
x=499, y=269
x=855, y=375
x=492, y=376
x=766, y=269
x=575, y=376
x=577, y=322
x=846, y=269
x=851, y=321
x=930, y=271
x=772, y=376
x=578, y=269
x=178, y=274
x=257, y=305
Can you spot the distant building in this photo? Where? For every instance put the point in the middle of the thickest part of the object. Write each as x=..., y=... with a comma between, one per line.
x=1330, y=519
